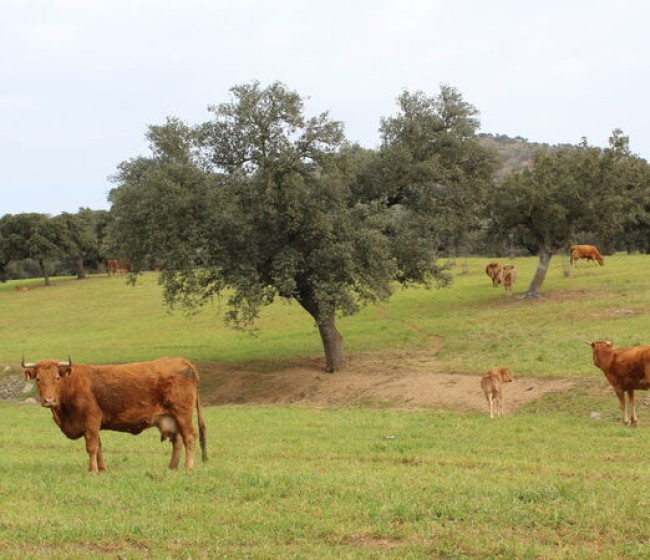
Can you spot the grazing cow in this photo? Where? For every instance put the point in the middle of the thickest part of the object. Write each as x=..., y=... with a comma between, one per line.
x=117, y=267
x=493, y=270
x=589, y=252
x=508, y=277
x=626, y=369
x=492, y=385
x=85, y=399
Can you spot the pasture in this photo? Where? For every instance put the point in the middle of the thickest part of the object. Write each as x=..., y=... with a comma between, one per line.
x=550, y=481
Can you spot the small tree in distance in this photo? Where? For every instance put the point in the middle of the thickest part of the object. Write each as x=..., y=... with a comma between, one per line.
x=565, y=194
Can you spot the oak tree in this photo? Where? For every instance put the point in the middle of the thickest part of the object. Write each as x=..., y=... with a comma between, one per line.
x=263, y=202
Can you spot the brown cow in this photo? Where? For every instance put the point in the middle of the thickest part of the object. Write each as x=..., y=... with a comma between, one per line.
x=85, y=399
x=508, y=277
x=117, y=267
x=589, y=252
x=493, y=270
x=626, y=369
x=492, y=385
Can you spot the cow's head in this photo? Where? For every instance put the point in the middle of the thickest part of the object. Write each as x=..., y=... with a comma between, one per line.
x=601, y=344
x=600, y=351
x=47, y=374
x=506, y=374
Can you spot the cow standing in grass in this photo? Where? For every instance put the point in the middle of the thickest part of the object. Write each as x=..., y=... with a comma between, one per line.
x=85, y=399
x=508, y=277
x=626, y=369
x=493, y=270
x=117, y=267
x=589, y=252
x=492, y=385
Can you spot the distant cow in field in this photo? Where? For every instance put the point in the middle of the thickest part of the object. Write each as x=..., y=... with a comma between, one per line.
x=85, y=399
x=117, y=267
x=508, y=277
x=492, y=385
x=493, y=270
x=589, y=252
x=626, y=369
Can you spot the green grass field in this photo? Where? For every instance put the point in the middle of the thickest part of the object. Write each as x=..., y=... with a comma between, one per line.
x=103, y=319
x=353, y=482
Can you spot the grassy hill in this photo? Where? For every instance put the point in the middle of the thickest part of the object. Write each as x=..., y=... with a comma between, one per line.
x=103, y=319
x=515, y=153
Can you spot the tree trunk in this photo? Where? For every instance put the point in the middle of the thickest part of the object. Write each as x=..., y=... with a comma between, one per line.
x=79, y=268
x=329, y=335
x=332, y=344
x=540, y=274
x=43, y=268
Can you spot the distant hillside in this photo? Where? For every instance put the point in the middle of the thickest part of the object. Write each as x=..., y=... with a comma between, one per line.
x=516, y=153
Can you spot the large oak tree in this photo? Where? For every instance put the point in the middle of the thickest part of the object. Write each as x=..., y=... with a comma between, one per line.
x=263, y=202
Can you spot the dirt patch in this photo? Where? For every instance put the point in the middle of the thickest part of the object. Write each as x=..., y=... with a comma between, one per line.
x=400, y=379
x=410, y=379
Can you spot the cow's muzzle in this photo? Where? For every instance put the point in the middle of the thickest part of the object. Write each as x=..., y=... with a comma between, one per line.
x=49, y=402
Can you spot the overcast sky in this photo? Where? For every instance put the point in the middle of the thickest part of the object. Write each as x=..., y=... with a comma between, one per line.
x=80, y=80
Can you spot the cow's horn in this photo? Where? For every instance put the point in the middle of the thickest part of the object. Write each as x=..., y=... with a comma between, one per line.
x=26, y=365
x=66, y=364
x=589, y=343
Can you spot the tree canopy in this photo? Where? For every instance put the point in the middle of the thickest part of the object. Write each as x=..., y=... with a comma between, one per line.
x=434, y=163
x=263, y=202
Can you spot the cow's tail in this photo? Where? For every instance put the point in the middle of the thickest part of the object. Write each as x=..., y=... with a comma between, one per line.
x=199, y=413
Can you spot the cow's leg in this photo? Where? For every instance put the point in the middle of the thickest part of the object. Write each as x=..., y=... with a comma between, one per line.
x=490, y=401
x=632, y=404
x=186, y=429
x=177, y=446
x=499, y=404
x=101, y=465
x=93, y=447
x=621, y=400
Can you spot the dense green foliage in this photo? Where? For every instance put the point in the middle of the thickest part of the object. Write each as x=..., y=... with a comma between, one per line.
x=265, y=202
x=433, y=164
x=75, y=239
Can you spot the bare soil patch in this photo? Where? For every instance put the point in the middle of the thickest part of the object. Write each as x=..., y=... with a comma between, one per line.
x=408, y=379
x=400, y=379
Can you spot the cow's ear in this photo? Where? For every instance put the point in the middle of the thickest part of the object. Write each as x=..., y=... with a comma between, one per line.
x=65, y=370
x=30, y=373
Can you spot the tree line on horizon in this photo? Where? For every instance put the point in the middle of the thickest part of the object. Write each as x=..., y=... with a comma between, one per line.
x=262, y=201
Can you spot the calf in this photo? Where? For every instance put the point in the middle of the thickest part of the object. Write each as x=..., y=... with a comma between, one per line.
x=626, y=369
x=508, y=277
x=85, y=399
x=492, y=385
x=493, y=270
